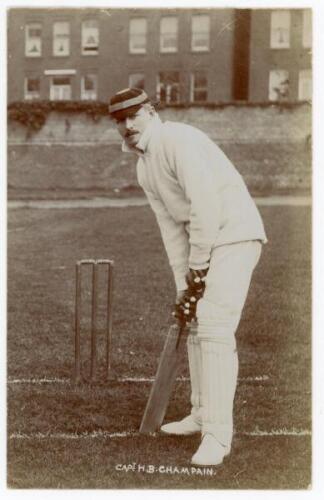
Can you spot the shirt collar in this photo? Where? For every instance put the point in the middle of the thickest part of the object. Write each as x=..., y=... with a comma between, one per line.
x=128, y=149
x=142, y=145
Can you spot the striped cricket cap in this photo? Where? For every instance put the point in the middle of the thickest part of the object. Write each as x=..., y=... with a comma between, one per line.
x=127, y=102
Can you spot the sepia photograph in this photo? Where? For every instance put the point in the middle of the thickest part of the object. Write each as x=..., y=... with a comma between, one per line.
x=159, y=246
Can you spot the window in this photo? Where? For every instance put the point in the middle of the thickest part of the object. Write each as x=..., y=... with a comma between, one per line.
x=60, y=89
x=200, y=28
x=169, y=34
x=305, y=85
x=280, y=29
x=137, y=80
x=307, y=28
x=61, y=39
x=33, y=40
x=278, y=85
x=89, y=84
x=198, y=87
x=168, y=87
x=32, y=88
x=137, y=36
x=90, y=37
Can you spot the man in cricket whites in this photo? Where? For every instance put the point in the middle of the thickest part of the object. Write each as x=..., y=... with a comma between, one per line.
x=213, y=234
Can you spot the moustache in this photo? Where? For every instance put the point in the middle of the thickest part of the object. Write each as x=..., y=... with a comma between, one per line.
x=129, y=134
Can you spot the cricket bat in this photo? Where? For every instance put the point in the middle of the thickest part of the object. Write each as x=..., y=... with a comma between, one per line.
x=165, y=376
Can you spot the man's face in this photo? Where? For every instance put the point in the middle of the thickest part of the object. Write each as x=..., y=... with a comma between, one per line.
x=132, y=127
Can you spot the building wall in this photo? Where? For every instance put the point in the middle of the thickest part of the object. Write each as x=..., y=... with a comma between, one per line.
x=237, y=64
x=114, y=62
x=263, y=58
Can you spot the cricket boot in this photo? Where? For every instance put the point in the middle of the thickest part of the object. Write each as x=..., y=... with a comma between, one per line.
x=192, y=423
x=219, y=376
x=210, y=451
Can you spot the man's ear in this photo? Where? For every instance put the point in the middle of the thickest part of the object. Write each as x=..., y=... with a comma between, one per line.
x=148, y=106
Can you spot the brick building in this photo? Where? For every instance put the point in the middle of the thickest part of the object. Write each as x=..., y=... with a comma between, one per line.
x=177, y=55
x=280, y=55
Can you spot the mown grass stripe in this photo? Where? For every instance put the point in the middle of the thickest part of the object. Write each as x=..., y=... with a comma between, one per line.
x=102, y=434
x=99, y=202
x=279, y=432
x=44, y=380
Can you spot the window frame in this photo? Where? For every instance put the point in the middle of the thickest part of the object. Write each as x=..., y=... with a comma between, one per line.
x=307, y=34
x=269, y=80
x=193, y=89
x=83, y=90
x=300, y=82
x=172, y=50
x=52, y=85
x=28, y=25
x=169, y=88
x=64, y=37
x=31, y=96
x=273, y=37
x=84, y=52
x=131, y=48
x=200, y=48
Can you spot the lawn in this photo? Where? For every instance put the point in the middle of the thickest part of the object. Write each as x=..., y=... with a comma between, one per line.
x=272, y=444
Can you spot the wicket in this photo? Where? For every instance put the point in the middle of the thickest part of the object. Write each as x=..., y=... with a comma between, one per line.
x=95, y=264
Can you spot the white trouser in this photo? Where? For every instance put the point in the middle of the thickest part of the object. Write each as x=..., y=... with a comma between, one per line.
x=213, y=360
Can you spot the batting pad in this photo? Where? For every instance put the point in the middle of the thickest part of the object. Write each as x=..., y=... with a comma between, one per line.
x=194, y=358
x=219, y=379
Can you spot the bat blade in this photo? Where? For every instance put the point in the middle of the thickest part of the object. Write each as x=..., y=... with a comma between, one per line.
x=165, y=376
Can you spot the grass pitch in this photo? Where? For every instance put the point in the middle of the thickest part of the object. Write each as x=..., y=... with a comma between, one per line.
x=66, y=436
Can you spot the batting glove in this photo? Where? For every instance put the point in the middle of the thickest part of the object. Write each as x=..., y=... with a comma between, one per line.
x=196, y=278
x=186, y=305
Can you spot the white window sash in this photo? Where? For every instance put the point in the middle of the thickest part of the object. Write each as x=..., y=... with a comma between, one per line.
x=305, y=85
x=168, y=87
x=280, y=29
x=60, y=92
x=194, y=88
x=138, y=36
x=90, y=37
x=169, y=33
x=33, y=44
x=276, y=78
x=200, y=30
x=30, y=94
x=61, y=39
x=89, y=94
x=307, y=28
x=168, y=42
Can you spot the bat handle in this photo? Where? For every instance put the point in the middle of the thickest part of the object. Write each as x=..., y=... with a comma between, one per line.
x=182, y=326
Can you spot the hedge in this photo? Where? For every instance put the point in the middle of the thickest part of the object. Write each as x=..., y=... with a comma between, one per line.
x=33, y=114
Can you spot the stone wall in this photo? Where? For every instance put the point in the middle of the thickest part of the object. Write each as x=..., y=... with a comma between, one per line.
x=74, y=156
